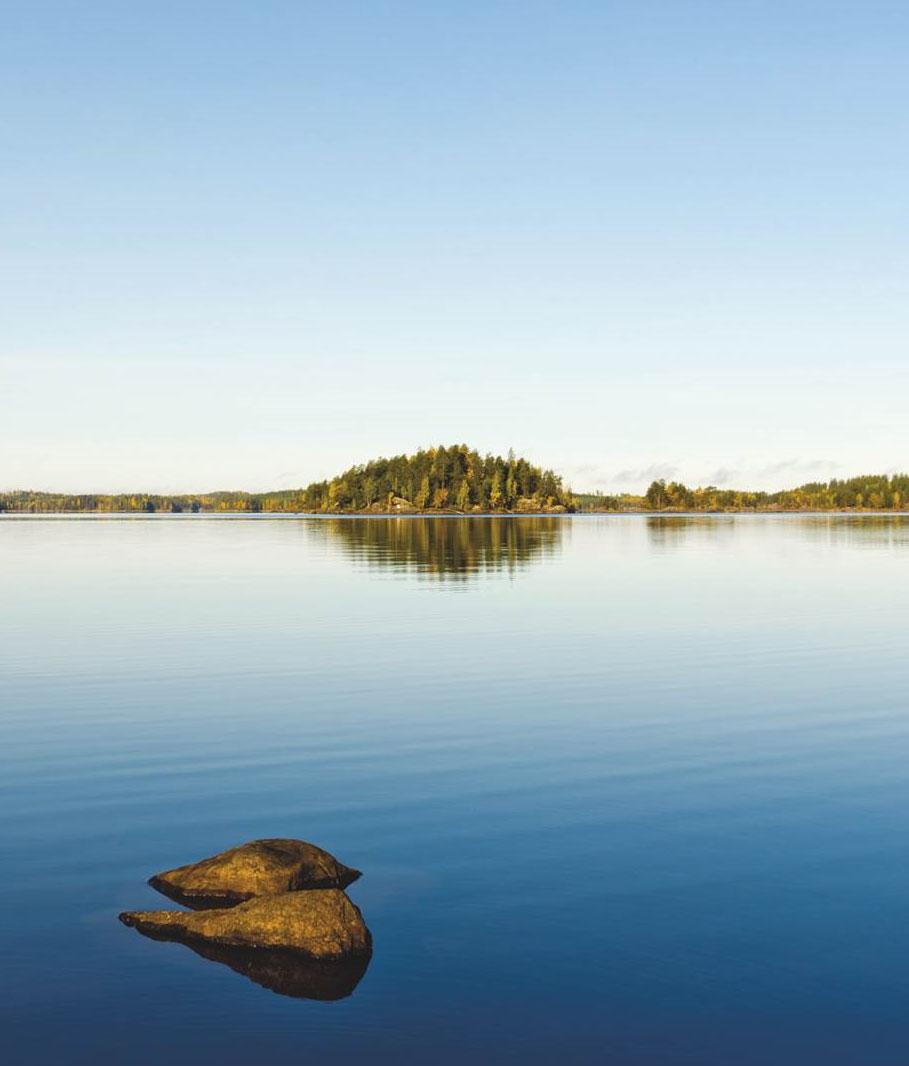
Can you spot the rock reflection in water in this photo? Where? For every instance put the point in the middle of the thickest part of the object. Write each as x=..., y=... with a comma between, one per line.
x=289, y=973
x=447, y=548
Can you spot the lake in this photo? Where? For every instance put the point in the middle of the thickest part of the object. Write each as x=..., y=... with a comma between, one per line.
x=623, y=790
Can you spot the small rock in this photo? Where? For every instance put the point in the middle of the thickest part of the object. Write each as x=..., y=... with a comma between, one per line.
x=321, y=924
x=261, y=867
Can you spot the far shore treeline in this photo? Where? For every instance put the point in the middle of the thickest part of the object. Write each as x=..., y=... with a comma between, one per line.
x=453, y=479
x=868, y=492
x=458, y=480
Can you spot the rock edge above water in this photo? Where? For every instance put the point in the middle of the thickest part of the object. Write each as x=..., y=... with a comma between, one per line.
x=320, y=924
x=258, y=868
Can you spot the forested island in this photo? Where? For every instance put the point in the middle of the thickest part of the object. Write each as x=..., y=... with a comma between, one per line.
x=453, y=479
x=458, y=480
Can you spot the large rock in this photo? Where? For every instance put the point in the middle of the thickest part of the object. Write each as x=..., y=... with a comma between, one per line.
x=321, y=924
x=259, y=868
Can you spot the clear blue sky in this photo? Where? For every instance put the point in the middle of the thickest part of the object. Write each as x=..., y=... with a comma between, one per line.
x=247, y=244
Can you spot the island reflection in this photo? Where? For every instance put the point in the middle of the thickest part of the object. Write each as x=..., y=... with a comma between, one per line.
x=445, y=548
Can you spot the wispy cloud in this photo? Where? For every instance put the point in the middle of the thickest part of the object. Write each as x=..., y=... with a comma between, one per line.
x=290, y=479
x=725, y=475
x=782, y=473
x=778, y=474
x=653, y=472
x=800, y=466
x=591, y=477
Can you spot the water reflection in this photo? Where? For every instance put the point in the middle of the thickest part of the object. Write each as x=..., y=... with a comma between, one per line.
x=857, y=531
x=286, y=972
x=446, y=548
x=854, y=530
x=664, y=531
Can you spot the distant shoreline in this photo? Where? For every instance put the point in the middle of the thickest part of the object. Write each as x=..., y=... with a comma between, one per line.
x=457, y=480
x=157, y=516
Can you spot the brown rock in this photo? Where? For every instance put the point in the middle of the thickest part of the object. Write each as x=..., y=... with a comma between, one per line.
x=261, y=867
x=321, y=924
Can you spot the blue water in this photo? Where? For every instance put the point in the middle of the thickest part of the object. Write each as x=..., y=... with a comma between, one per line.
x=623, y=790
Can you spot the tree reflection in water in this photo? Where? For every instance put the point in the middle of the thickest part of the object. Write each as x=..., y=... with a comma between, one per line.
x=832, y=530
x=446, y=548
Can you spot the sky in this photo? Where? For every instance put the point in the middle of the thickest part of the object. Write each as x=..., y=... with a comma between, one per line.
x=246, y=245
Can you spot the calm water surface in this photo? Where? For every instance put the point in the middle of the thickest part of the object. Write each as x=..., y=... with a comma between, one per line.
x=624, y=790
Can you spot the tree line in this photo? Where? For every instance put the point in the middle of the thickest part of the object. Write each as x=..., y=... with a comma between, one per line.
x=458, y=479
x=441, y=479
x=868, y=492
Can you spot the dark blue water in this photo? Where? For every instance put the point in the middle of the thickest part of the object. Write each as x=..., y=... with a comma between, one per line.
x=623, y=790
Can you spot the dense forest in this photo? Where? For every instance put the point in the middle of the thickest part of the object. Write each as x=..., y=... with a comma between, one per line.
x=440, y=479
x=461, y=481
x=454, y=479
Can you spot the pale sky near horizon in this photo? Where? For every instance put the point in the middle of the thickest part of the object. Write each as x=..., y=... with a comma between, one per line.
x=247, y=245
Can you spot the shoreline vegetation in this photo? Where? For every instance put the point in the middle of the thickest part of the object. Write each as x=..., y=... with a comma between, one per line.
x=457, y=480
x=865, y=493
x=452, y=480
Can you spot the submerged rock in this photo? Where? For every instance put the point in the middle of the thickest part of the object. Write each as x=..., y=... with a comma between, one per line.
x=259, y=868
x=321, y=924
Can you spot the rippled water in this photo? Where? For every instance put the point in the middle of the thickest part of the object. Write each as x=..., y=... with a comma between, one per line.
x=623, y=790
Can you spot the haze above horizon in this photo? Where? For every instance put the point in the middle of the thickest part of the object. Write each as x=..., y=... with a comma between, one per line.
x=246, y=246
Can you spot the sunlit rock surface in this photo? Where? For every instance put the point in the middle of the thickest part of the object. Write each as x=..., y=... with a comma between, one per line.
x=259, y=868
x=320, y=924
